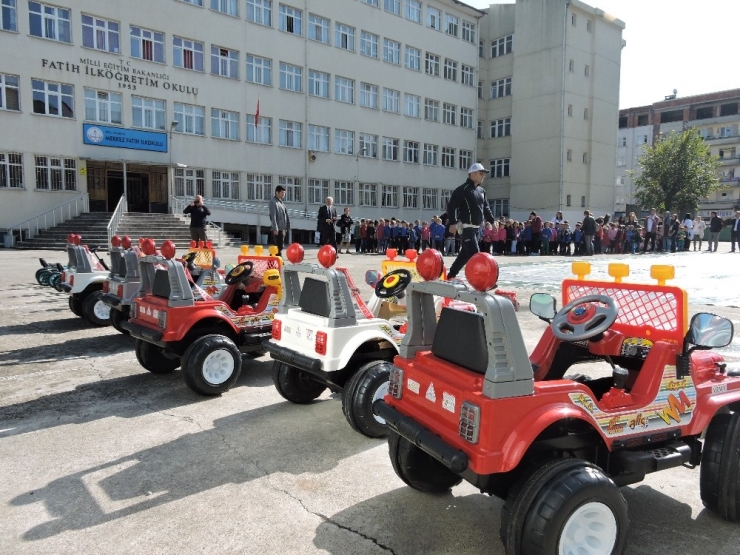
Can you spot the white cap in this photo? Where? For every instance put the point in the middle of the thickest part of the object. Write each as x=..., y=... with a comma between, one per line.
x=477, y=168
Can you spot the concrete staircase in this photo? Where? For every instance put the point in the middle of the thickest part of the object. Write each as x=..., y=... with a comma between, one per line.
x=92, y=226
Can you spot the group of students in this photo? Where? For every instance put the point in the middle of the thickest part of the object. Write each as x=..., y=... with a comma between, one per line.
x=376, y=236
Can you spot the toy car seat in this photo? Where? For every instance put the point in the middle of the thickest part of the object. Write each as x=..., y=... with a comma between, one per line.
x=460, y=339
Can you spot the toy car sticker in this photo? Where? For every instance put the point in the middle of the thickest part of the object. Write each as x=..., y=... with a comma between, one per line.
x=297, y=331
x=413, y=386
x=719, y=388
x=431, y=395
x=636, y=347
x=448, y=402
x=309, y=335
x=386, y=329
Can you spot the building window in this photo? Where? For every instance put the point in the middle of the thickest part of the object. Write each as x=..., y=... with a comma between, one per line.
x=390, y=149
x=259, y=186
x=194, y=2
x=224, y=62
x=430, y=154
x=8, y=15
x=587, y=71
x=413, y=11
x=450, y=70
x=56, y=174
x=318, y=138
x=290, y=20
x=499, y=207
x=373, y=3
x=479, y=132
x=500, y=167
x=569, y=155
x=583, y=202
x=190, y=119
x=187, y=54
x=259, y=70
x=225, y=184
x=466, y=74
x=466, y=159
x=368, y=44
x=481, y=49
x=102, y=106
x=344, y=194
x=9, y=92
x=368, y=145
x=585, y=113
x=573, y=19
x=344, y=141
x=413, y=58
x=502, y=46
x=585, y=157
x=429, y=199
x=431, y=65
x=48, y=22
x=410, y=197
x=262, y=135
x=53, y=99
x=392, y=6
x=260, y=12
x=318, y=28
x=570, y=110
x=344, y=90
x=622, y=141
x=100, y=34
x=344, y=37
x=318, y=83
x=392, y=52
x=452, y=24
x=468, y=31
x=390, y=196
x=318, y=190
x=368, y=194
x=369, y=96
x=291, y=77
x=480, y=89
x=11, y=170
x=448, y=113
x=292, y=188
x=411, y=104
x=391, y=100
x=411, y=152
x=448, y=157
x=501, y=128
x=570, y=66
x=147, y=45
x=567, y=200
x=229, y=7
x=621, y=161
x=434, y=18
x=431, y=109
x=290, y=134
x=588, y=25
x=466, y=118
x=189, y=182
x=501, y=88
x=148, y=113
x=224, y=124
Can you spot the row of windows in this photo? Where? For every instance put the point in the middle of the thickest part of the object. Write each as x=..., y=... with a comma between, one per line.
x=53, y=173
x=499, y=88
x=499, y=47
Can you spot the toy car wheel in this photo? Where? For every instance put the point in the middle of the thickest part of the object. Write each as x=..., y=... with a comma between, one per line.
x=719, y=482
x=367, y=385
x=94, y=310
x=116, y=317
x=55, y=281
x=566, y=506
x=294, y=385
x=212, y=364
x=418, y=469
x=43, y=276
x=256, y=354
x=75, y=305
x=153, y=358
x=38, y=274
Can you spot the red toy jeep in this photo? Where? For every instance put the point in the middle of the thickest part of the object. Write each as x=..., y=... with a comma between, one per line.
x=466, y=402
x=175, y=322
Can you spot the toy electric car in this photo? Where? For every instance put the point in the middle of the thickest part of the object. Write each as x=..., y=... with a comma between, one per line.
x=467, y=402
x=50, y=274
x=83, y=280
x=177, y=323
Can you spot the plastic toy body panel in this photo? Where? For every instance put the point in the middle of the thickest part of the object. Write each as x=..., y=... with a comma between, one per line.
x=82, y=270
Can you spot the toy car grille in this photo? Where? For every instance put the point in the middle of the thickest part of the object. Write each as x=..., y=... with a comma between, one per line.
x=261, y=265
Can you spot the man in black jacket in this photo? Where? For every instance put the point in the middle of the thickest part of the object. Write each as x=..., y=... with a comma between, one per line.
x=198, y=218
x=715, y=226
x=468, y=207
x=326, y=220
x=735, y=231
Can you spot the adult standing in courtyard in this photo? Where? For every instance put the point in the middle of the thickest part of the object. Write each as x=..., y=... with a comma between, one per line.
x=735, y=231
x=715, y=226
x=698, y=231
x=468, y=207
x=688, y=225
x=326, y=220
x=651, y=230
x=198, y=218
x=279, y=219
x=588, y=228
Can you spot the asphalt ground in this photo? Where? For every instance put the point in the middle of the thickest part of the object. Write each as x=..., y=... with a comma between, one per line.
x=99, y=456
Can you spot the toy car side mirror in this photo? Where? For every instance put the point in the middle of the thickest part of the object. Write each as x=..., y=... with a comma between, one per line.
x=372, y=277
x=543, y=305
x=708, y=331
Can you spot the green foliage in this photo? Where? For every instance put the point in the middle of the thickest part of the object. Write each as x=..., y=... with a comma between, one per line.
x=677, y=172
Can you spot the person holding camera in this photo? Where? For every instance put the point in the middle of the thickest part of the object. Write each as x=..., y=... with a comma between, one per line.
x=198, y=218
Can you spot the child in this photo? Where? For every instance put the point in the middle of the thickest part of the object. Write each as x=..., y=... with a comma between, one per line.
x=680, y=238
x=426, y=235
x=577, y=239
x=546, y=234
x=565, y=239
x=487, y=240
x=438, y=234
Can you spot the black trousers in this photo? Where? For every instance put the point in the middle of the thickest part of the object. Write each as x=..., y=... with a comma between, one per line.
x=469, y=248
x=278, y=240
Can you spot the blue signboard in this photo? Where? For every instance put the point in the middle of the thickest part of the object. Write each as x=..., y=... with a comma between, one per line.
x=119, y=137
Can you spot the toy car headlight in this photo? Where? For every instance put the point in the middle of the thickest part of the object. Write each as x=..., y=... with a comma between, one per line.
x=395, y=383
x=469, y=422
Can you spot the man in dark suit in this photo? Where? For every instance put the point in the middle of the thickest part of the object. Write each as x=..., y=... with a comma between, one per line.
x=735, y=231
x=327, y=218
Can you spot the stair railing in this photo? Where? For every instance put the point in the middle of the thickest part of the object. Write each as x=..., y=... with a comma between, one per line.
x=178, y=204
x=41, y=222
x=115, y=220
x=242, y=206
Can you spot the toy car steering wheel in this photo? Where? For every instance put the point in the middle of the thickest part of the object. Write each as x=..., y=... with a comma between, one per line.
x=393, y=283
x=583, y=319
x=239, y=273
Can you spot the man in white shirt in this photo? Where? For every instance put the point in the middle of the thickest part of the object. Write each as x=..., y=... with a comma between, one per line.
x=651, y=228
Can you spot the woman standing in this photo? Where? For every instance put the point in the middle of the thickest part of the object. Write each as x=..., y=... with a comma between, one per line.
x=688, y=225
x=697, y=232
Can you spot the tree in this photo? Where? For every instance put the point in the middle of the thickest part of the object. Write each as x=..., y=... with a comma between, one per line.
x=677, y=172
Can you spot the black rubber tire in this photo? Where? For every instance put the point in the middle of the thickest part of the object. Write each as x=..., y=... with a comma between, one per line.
x=116, y=317
x=75, y=305
x=719, y=481
x=256, y=354
x=43, y=277
x=38, y=274
x=294, y=385
x=418, y=469
x=549, y=483
x=193, y=364
x=358, y=396
x=92, y=303
x=55, y=281
x=153, y=358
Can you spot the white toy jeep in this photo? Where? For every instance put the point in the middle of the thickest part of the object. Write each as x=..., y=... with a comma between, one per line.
x=83, y=280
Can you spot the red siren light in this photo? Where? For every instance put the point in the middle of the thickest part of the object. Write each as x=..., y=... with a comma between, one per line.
x=411, y=254
x=482, y=271
x=126, y=242
x=115, y=241
x=168, y=250
x=430, y=264
x=295, y=253
x=327, y=256
x=148, y=247
x=71, y=239
x=78, y=239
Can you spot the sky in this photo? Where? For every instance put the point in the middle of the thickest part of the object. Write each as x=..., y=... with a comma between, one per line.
x=688, y=45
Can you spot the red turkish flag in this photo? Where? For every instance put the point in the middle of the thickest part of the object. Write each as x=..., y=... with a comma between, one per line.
x=257, y=114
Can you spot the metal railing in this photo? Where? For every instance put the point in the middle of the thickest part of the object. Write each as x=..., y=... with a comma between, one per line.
x=57, y=215
x=115, y=220
x=247, y=207
x=178, y=204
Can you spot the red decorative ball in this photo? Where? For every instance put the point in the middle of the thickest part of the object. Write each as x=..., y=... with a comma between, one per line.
x=168, y=249
x=411, y=254
x=148, y=247
x=71, y=239
x=295, y=253
x=115, y=241
x=482, y=271
x=327, y=256
x=126, y=242
x=430, y=264
x=78, y=239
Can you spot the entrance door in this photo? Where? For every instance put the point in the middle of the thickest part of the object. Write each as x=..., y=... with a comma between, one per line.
x=137, y=187
x=115, y=189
